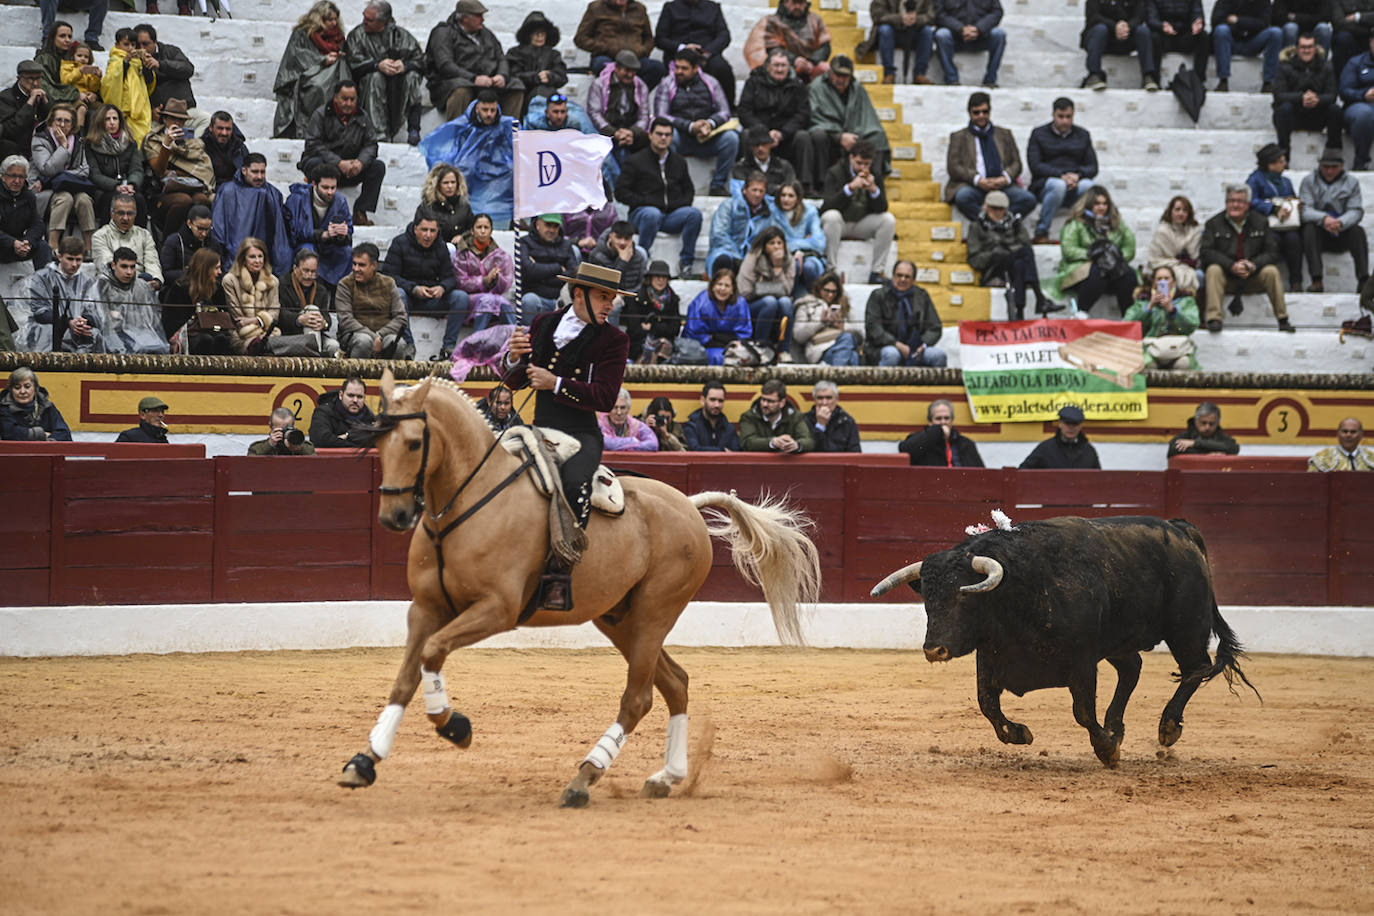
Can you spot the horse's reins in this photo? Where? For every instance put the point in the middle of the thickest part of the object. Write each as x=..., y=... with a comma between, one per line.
x=417, y=491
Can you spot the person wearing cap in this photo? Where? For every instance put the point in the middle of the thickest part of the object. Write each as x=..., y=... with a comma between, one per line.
x=981, y=158
x=969, y=25
x=150, y=429
x=611, y=26
x=842, y=114
x=23, y=106
x=166, y=69
x=658, y=189
x=1068, y=449
x=799, y=31
x=697, y=107
x=180, y=160
x=758, y=157
x=999, y=248
x=463, y=56
x=341, y=133
x=575, y=362
x=699, y=25
x=1240, y=255
x=775, y=99
x=1332, y=209
x=545, y=255
x=1062, y=164
x=618, y=105
x=389, y=66
x=1306, y=93
x=653, y=319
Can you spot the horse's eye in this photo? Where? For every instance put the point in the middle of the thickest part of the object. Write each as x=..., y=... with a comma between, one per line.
x=413, y=446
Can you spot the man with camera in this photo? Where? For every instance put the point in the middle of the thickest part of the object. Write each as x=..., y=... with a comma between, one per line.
x=283, y=438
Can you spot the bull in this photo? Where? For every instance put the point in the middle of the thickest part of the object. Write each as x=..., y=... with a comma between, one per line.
x=1042, y=603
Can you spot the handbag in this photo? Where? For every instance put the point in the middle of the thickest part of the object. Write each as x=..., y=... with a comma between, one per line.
x=1292, y=221
x=1168, y=350
x=176, y=183
x=747, y=353
x=213, y=321
x=73, y=183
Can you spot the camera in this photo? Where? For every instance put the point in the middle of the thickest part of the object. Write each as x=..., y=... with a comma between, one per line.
x=292, y=436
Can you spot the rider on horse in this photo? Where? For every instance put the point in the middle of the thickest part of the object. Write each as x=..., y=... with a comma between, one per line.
x=575, y=362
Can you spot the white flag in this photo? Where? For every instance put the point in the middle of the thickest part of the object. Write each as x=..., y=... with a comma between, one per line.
x=558, y=171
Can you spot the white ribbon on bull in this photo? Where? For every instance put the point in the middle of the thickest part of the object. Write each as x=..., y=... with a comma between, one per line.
x=990, y=568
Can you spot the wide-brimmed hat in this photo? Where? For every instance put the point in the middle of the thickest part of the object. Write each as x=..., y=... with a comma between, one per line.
x=593, y=276
x=174, y=108
x=658, y=269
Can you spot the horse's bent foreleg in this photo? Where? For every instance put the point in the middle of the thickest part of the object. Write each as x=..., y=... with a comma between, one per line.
x=484, y=618
x=361, y=771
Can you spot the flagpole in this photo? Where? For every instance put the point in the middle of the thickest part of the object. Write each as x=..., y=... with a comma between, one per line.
x=515, y=210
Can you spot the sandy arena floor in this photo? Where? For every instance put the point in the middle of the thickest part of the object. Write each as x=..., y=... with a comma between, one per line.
x=826, y=781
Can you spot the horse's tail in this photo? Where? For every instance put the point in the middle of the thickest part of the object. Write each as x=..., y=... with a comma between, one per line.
x=771, y=549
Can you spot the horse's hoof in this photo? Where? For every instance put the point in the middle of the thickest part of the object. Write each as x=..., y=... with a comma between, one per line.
x=457, y=729
x=654, y=789
x=575, y=798
x=358, y=773
x=1169, y=732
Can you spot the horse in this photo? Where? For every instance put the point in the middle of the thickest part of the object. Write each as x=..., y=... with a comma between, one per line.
x=636, y=576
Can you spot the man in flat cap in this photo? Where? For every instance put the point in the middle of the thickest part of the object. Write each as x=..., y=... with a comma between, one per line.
x=23, y=106
x=150, y=428
x=575, y=362
x=463, y=57
x=1066, y=449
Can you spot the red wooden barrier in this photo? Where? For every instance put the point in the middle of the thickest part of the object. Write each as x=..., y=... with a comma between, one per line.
x=1239, y=462
x=27, y=493
x=258, y=529
x=104, y=449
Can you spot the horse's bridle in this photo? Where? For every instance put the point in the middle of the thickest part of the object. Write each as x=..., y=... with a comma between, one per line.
x=417, y=491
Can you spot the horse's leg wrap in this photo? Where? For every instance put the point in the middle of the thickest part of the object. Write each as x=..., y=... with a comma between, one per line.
x=607, y=748
x=435, y=690
x=384, y=732
x=674, y=760
x=675, y=755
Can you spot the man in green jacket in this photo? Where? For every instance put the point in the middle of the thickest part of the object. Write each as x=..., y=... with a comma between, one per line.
x=773, y=425
x=842, y=114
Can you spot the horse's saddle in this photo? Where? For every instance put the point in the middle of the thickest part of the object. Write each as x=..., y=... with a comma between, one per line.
x=541, y=445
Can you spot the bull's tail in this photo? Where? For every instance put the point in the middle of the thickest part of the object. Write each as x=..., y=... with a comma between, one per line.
x=1229, y=649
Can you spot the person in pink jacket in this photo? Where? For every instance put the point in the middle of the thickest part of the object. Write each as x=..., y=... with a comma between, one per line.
x=624, y=433
x=485, y=272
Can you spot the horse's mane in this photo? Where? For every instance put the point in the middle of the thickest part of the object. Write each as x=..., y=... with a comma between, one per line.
x=386, y=422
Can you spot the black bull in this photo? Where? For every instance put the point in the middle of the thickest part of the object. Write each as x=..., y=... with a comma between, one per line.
x=1041, y=604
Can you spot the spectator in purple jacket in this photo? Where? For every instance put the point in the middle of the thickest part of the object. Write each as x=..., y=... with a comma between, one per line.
x=624, y=433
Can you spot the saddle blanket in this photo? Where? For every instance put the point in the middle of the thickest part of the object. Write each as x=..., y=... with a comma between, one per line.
x=608, y=497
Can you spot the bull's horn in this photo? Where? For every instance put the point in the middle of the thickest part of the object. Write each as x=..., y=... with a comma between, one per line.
x=900, y=577
x=989, y=568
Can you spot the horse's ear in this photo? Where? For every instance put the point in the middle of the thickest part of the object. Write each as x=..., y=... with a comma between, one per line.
x=416, y=400
x=388, y=386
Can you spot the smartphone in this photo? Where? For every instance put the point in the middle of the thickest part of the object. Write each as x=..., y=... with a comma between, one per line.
x=1163, y=287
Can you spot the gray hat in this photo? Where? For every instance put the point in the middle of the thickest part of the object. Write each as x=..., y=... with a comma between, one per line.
x=627, y=59
x=842, y=64
x=28, y=66
x=997, y=199
x=1330, y=155
x=1071, y=414
x=470, y=8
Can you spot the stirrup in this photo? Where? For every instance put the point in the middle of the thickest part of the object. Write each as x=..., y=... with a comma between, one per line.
x=555, y=591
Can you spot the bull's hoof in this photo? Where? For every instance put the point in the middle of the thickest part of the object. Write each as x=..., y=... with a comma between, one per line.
x=654, y=788
x=1109, y=753
x=1169, y=732
x=358, y=773
x=575, y=798
x=457, y=729
x=1014, y=733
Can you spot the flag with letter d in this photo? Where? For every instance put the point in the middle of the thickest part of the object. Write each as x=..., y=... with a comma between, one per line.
x=558, y=171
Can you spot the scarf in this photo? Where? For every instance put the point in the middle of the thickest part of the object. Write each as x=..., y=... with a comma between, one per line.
x=992, y=160
x=318, y=205
x=329, y=41
x=112, y=144
x=480, y=248
x=300, y=293
x=906, y=317
x=70, y=143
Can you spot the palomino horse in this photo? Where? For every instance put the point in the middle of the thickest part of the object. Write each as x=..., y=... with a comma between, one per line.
x=634, y=580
